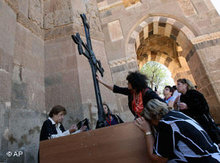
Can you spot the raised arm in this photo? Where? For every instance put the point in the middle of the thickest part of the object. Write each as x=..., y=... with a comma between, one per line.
x=114, y=88
x=104, y=83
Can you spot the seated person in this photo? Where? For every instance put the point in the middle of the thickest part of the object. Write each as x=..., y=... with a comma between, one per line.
x=53, y=128
x=110, y=119
x=168, y=98
x=178, y=137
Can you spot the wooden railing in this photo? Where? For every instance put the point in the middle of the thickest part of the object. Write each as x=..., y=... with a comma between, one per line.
x=123, y=143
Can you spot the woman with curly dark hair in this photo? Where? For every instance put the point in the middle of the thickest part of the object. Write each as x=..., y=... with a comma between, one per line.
x=137, y=91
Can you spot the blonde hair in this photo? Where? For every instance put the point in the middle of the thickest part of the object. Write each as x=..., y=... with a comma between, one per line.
x=155, y=109
x=190, y=85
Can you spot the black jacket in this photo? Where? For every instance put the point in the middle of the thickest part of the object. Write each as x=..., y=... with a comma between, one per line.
x=198, y=109
x=196, y=103
x=49, y=129
x=148, y=94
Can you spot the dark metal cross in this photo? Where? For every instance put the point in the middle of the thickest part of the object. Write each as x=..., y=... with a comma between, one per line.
x=86, y=50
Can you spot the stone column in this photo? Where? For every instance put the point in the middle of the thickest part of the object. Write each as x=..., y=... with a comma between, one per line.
x=208, y=52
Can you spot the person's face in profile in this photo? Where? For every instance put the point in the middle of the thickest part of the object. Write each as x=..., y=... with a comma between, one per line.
x=59, y=117
x=105, y=109
x=181, y=87
x=166, y=91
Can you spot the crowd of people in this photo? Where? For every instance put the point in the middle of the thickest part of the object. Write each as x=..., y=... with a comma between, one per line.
x=177, y=128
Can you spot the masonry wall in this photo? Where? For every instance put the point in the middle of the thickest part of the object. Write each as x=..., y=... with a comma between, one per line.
x=6, y=53
x=22, y=79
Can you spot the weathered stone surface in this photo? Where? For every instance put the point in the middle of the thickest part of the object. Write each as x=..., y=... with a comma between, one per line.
x=7, y=40
x=115, y=31
x=4, y=126
x=28, y=71
x=24, y=130
x=128, y=3
x=36, y=12
x=29, y=25
x=13, y=4
x=7, y=29
x=93, y=16
x=60, y=17
x=56, y=13
x=61, y=84
x=23, y=6
x=187, y=7
x=68, y=11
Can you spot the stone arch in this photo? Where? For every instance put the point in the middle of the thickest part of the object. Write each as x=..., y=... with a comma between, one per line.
x=191, y=45
x=171, y=28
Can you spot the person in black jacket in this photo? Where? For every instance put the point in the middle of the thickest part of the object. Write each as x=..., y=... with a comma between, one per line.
x=137, y=91
x=52, y=127
x=194, y=104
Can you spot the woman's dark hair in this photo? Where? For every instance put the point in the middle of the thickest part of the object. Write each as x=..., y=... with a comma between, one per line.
x=190, y=85
x=109, y=111
x=137, y=80
x=170, y=88
x=174, y=88
x=56, y=109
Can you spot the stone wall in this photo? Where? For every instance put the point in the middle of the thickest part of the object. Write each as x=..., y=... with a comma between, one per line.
x=61, y=77
x=7, y=41
x=22, y=79
x=209, y=55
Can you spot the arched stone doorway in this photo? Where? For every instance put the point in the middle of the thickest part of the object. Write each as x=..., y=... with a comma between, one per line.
x=184, y=62
x=166, y=51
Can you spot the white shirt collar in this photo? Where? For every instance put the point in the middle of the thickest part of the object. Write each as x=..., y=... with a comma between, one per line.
x=52, y=121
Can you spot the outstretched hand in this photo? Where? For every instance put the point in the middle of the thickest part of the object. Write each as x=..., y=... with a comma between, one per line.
x=142, y=124
x=103, y=83
x=99, y=79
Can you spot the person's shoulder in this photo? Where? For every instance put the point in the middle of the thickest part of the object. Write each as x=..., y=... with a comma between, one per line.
x=171, y=115
x=194, y=92
x=47, y=122
x=115, y=115
x=148, y=91
x=118, y=118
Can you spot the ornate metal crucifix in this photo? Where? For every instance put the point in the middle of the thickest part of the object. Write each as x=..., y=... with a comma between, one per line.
x=86, y=50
